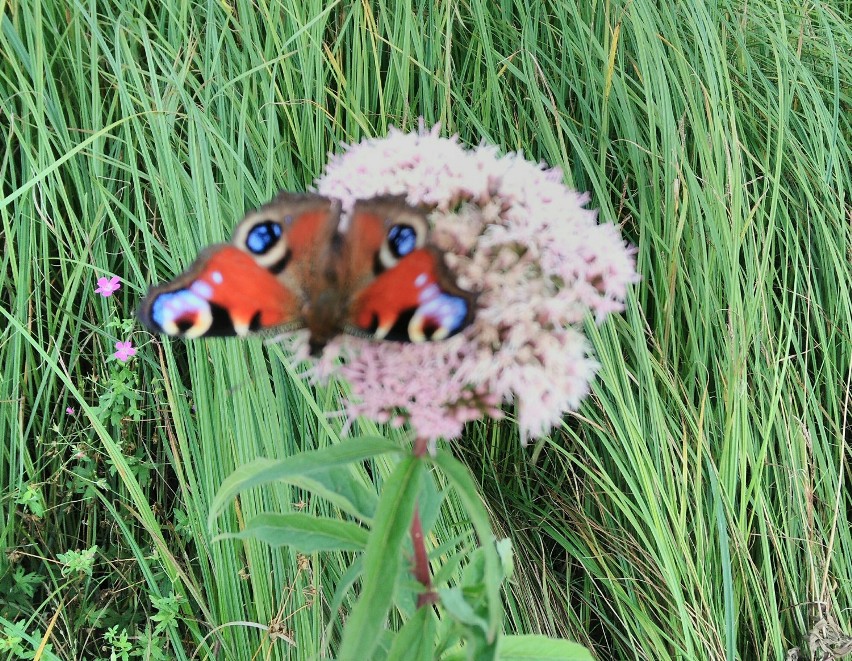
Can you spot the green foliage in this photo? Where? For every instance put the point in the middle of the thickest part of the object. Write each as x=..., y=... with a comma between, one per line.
x=32, y=499
x=119, y=643
x=696, y=507
x=12, y=643
x=121, y=647
x=166, y=612
x=119, y=398
x=469, y=618
x=19, y=643
x=26, y=583
x=304, y=532
x=77, y=562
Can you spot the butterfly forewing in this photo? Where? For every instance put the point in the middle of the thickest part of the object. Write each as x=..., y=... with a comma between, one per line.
x=290, y=230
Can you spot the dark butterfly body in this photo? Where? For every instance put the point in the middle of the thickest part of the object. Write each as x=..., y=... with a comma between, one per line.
x=290, y=265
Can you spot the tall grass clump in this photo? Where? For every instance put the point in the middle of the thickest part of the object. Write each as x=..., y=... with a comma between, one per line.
x=696, y=507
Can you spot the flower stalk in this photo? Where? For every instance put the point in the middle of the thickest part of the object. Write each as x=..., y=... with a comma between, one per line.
x=421, y=570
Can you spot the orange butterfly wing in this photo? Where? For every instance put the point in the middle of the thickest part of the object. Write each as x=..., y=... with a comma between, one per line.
x=248, y=285
x=225, y=292
x=413, y=296
x=288, y=265
x=408, y=302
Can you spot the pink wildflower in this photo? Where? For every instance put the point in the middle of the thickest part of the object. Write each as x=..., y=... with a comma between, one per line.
x=124, y=351
x=108, y=286
x=70, y=410
x=541, y=263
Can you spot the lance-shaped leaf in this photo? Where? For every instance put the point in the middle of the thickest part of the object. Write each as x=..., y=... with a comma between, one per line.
x=304, y=532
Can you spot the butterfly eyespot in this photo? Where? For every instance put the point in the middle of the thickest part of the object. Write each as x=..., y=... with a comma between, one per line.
x=183, y=313
x=264, y=239
x=263, y=236
x=438, y=318
x=402, y=239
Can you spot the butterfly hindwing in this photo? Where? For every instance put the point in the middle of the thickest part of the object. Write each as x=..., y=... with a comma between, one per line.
x=412, y=296
x=413, y=302
x=225, y=292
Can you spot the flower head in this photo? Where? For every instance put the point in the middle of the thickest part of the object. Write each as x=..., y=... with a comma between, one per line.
x=513, y=232
x=70, y=410
x=108, y=286
x=124, y=351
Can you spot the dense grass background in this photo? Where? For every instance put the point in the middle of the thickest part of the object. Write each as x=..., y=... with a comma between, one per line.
x=696, y=507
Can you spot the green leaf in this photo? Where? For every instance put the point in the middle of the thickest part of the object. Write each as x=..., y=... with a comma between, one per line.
x=340, y=487
x=304, y=532
x=381, y=561
x=473, y=574
x=416, y=640
x=383, y=645
x=262, y=471
x=474, y=648
x=27, y=582
x=450, y=566
x=454, y=602
x=429, y=502
x=460, y=478
x=540, y=648
x=507, y=560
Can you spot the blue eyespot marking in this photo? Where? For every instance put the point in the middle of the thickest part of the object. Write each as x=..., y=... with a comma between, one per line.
x=263, y=236
x=178, y=311
x=445, y=311
x=402, y=239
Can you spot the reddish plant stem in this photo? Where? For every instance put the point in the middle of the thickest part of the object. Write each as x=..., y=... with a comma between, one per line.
x=421, y=569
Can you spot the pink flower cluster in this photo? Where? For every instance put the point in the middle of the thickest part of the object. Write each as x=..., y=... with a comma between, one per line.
x=124, y=350
x=513, y=232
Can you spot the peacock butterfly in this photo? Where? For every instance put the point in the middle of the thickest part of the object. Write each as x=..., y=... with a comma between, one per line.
x=294, y=263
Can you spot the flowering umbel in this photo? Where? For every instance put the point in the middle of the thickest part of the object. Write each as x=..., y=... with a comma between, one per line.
x=514, y=233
